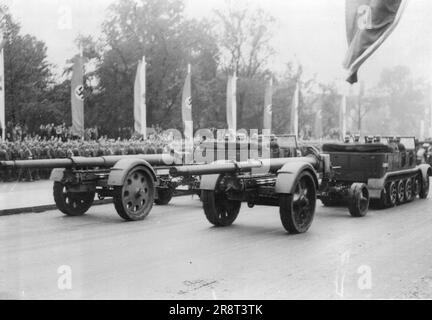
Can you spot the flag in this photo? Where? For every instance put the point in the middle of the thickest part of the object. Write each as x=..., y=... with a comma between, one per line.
x=268, y=106
x=295, y=111
x=2, y=82
x=77, y=97
x=187, y=106
x=368, y=25
x=232, y=103
x=140, y=107
x=2, y=90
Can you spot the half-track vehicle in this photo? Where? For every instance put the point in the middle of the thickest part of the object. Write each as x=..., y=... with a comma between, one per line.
x=385, y=172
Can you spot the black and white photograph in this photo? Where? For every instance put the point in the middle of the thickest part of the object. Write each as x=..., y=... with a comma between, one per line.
x=215, y=150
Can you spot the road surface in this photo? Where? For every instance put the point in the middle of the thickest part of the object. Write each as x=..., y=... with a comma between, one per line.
x=176, y=254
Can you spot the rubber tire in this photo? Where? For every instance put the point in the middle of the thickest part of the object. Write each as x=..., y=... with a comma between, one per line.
x=409, y=196
x=400, y=184
x=215, y=205
x=118, y=201
x=164, y=197
x=391, y=202
x=286, y=208
x=424, y=190
x=59, y=200
x=357, y=191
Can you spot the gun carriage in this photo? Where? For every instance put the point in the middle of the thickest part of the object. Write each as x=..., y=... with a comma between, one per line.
x=132, y=181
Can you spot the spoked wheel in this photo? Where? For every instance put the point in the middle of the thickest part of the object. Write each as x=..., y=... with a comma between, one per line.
x=72, y=203
x=164, y=196
x=297, y=210
x=134, y=200
x=424, y=187
x=400, y=192
x=416, y=185
x=358, y=204
x=392, y=194
x=219, y=211
x=409, y=192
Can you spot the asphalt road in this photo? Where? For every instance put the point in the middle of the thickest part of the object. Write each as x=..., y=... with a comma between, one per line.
x=176, y=254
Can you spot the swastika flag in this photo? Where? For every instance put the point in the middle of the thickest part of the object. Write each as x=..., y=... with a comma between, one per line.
x=268, y=104
x=77, y=97
x=368, y=25
x=187, y=106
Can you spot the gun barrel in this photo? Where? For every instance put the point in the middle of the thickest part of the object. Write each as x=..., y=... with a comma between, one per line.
x=107, y=162
x=237, y=167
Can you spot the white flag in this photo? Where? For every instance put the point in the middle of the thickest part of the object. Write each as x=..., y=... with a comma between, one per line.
x=140, y=107
x=232, y=103
x=268, y=106
x=2, y=90
x=77, y=97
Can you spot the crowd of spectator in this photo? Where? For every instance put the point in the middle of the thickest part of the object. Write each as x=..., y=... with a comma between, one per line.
x=56, y=146
x=62, y=132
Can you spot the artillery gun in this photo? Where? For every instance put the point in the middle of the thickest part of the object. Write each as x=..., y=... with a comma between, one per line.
x=134, y=182
x=289, y=183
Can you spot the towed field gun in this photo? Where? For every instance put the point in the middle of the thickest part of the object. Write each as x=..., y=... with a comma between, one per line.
x=289, y=183
x=133, y=181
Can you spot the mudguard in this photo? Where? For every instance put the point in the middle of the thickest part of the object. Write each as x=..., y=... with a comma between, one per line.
x=209, y=182
x=57, y=175
x=119, y=172
x=288, y=175
x=426, y=170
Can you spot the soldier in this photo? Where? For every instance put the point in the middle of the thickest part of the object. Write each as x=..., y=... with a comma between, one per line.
x=5, y=175
x=26, y=174
x=37, y=152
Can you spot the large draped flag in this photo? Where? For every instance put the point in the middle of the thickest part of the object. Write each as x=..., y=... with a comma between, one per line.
x=268, y=105
x=294, y=124
x=368, y=25
x=140, y=107
x=232, y=103
x=187, y=106
x=77, y=97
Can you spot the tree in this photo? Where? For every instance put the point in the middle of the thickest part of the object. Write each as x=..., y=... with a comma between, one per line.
x=399, y=100
x=244, y=44
x=158, y=30
x=27, y=73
